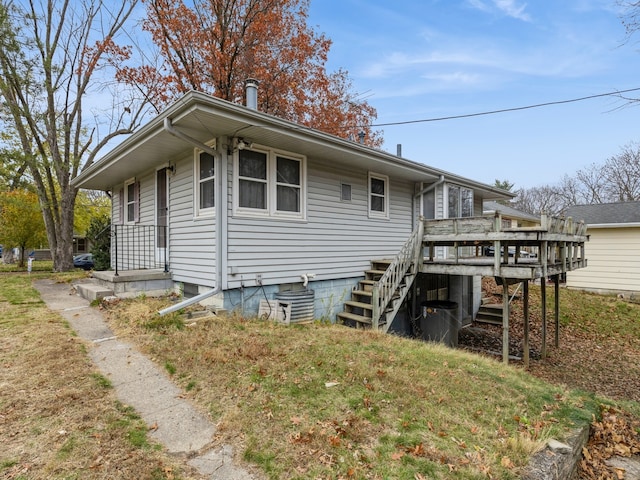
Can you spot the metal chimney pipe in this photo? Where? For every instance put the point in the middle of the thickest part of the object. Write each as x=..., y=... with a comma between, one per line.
x=251, y=91
x=399, y=150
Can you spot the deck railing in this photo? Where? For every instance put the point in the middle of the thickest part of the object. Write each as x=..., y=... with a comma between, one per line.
x=139, y=247
x=405, y=262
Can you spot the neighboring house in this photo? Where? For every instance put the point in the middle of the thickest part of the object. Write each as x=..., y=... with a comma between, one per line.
x=613, y=248
x=81, y=244
x=511, y=217
x=243, y=206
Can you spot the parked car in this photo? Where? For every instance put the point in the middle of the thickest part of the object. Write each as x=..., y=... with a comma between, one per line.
x=84, y=261
x=488, y=252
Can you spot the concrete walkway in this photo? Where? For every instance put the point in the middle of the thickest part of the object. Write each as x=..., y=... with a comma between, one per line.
x=139, y=382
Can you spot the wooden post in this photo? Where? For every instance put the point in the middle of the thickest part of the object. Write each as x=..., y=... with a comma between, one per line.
x=375, y=308
x=556, y=281
x=525, y=308
x=543, y=293
x=505, y=321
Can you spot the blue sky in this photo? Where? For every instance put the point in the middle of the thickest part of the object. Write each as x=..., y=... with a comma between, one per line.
x=423, y=59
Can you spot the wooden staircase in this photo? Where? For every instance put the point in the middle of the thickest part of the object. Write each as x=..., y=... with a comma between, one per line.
x=376, y=300
x=490, y=313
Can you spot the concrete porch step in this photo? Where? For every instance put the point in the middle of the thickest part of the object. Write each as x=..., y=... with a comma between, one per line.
x=93, y=291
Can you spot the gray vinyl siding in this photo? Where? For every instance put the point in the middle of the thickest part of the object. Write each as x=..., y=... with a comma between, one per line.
x=192, y=240
x=337, y=239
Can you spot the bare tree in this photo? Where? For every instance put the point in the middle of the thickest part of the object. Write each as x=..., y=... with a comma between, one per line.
x=545, y=199
x=53, y=56
x=621, y=175
x=592, y=183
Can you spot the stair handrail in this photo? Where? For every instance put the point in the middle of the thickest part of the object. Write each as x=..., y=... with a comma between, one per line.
x=407, y=259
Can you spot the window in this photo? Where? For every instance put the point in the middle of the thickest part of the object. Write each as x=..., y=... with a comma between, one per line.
x=345, y=192
x=252, y=179
x=378, y=196
x=288, y=184
x=131, y=200
x=429, y=204
x=460, y=201
x=206, y=182
x=269, y=183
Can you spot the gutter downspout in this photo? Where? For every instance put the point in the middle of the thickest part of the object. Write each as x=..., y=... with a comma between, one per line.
x=422, y=192
x=168, y=126
x=188, y=301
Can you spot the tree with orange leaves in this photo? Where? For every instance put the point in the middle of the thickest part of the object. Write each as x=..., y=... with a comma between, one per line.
x=215, y=45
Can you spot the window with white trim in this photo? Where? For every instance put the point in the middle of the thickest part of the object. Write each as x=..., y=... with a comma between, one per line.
x=131, y=201
x=378, y=196
x=268, y=182
x=460, y=201
x=206, y=183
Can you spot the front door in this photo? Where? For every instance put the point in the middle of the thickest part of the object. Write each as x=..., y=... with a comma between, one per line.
x=162, y=214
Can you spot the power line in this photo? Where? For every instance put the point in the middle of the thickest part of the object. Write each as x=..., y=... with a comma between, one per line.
x=504, y=110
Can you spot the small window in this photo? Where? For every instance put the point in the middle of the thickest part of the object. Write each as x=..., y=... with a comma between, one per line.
x=206, y=181
x=131, y=201
x=378, y=196
x=345, y=192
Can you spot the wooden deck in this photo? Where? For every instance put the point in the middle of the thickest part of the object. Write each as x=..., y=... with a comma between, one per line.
x=459, y=246
x=480, y=246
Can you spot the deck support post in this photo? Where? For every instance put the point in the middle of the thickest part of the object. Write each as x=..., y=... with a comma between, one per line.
x=525, y=308
x=556, y=282
x=505, y=321
x=375, y=309
x=543, y=294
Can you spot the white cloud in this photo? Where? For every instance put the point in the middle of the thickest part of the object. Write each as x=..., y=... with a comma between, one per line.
x=507, y=7
x=510, y=8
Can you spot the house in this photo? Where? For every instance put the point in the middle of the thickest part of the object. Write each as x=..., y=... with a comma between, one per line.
x=613, y=248
x=220, y=200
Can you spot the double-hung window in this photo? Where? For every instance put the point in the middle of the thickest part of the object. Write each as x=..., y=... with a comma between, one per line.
x=206, y=183
x=378, y=196
x=129, y=202
x=270, y=183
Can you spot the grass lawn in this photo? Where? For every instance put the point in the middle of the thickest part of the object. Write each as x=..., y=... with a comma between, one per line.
x=326, y=401
x=312, y=401
x=59, y=418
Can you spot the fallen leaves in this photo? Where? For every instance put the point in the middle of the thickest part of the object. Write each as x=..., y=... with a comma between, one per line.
x=616, y=434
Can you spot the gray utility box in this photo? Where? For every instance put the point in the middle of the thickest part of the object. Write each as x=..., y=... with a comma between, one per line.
x=439, y=322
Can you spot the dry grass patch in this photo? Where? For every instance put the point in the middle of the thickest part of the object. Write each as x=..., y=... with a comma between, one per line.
x=325, y=401
x=58, y=416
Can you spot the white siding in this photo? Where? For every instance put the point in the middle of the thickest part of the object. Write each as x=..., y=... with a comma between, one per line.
x=337, y=240
x=613, y=259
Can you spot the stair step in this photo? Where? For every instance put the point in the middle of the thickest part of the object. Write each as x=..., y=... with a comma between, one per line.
x=362, y=293
x=366, y=285
x=362, y=305
x=354, y=317
x=490, y=313
x=374, y=273
x=490, y=320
